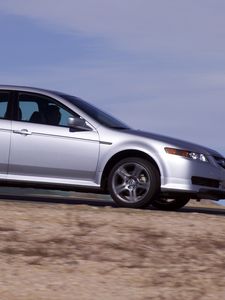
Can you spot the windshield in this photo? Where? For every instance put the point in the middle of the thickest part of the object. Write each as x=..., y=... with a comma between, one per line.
x=97, y=114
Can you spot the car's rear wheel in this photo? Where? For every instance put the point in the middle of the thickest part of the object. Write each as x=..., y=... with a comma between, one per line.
x=133, y=182
x=170, y=204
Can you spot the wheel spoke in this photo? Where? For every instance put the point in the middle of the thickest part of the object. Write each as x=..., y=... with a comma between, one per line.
x=133, y=195
x=137, y=170
x=143, y=185
x=121, y=188
x=122, y=173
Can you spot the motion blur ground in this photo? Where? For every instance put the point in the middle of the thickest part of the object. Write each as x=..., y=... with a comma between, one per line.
x=61, y=251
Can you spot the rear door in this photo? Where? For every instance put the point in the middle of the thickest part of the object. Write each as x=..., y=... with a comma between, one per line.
x=5, y=132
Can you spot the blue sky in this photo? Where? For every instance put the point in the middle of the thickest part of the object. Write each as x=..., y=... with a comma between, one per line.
x=157, y=65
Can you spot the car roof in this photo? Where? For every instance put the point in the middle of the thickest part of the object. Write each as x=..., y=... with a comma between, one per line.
x=28, y=89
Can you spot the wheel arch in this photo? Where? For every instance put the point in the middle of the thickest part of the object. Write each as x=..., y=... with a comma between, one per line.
x=121, y=155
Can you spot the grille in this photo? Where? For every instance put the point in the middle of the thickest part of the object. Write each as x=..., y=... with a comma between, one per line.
x=220, y=161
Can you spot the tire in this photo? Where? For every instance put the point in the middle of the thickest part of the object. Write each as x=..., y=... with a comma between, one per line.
x=170, y=204
x=133, y=182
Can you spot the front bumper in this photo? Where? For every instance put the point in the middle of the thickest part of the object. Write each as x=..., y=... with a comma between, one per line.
x=197, y=179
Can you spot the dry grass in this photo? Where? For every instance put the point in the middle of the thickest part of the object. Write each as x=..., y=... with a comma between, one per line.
x=59, y=251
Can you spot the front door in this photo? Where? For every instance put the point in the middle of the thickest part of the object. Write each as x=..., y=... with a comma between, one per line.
x=45, y=149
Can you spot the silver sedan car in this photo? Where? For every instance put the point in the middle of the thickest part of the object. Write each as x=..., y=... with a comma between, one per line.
x=57, y=141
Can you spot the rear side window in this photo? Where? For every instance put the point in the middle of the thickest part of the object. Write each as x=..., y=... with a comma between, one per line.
x=4, y=100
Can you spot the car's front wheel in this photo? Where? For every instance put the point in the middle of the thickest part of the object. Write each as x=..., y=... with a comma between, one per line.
x=133, y=182
x=170, y=204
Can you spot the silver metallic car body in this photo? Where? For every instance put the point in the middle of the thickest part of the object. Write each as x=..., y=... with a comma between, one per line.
x=56, y=156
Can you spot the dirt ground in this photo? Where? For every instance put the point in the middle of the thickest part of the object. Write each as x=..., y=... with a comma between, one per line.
x=73, y=251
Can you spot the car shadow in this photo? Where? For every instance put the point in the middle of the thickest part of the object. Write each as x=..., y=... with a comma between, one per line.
x=59, y=200
x=204, y=210
x=54, y=199
x=201, y=210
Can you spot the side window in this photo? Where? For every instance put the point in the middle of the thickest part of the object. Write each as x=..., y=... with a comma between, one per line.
x=43, y=110
x=64, y=116
x=4, y=99
x=26, y=109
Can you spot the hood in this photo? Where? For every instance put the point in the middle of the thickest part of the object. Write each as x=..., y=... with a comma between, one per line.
x=174, y=142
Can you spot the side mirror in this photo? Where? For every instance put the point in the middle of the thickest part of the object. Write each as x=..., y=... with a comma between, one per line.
x=77, y=123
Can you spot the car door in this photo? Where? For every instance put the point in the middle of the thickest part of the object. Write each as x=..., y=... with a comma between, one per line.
x=45, y=149
x=5, y=132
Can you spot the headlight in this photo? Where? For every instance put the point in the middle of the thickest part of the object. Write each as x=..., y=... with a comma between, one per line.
x=187, y=154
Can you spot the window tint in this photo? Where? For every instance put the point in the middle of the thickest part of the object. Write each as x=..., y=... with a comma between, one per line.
x=4, y=99
x=97, y=114
x=43, y=110
x=27, y=108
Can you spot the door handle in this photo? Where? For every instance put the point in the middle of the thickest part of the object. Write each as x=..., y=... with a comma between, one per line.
x=22, y=131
